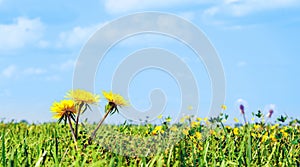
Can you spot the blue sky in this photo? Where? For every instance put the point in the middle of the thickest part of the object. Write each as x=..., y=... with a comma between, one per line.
x=257, y=42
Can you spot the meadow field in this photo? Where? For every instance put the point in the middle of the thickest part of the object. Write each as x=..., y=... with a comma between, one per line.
x=253, y=144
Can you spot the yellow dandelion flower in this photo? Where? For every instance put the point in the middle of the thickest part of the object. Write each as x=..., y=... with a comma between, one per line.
x=236, y=120
x=228, y=127
x=256, y=126
x=274, y=126
x=154, y=132
x=199, y=119
x=254, y=135
x=224, y=107
x=158, y=128
x=205, y=119
x=82, y=96
x=236, y=131
x=116, y=99
x=198, y=135
x=273, y=137
x=284, y=133
x=62, y=108
x=195, y=124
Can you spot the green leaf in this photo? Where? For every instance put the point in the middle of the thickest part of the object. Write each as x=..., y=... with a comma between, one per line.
x=282, y=119
x=3, y=149
x=88, y=106
x=259, y=114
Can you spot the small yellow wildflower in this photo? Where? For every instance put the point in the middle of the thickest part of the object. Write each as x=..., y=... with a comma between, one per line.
x=274, y=126
x=185, y=131
x=284, y=133
x=265, y=137
x=82, y=96
x=174, y=129
x=256, y=126
x=273, y=137
x=224, y=107
x=198, y=135
x=205, y=119
x=168, y=119
x=157, y=130
x=236, y=120
x=160, y=116
x=195, y=124
x=236, y=131
x=182, y=120
x=154, y=132
x=199, y=119
x=62, y=108
x=212, y=132
x=228, y=127
x=187, y=117
x=254, y=135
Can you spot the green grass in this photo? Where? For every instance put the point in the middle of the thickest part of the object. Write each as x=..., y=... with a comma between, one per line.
x=51, y=144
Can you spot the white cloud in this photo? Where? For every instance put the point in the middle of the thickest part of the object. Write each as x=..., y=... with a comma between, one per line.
x=13, y=71
x=121, y=6
x=64, y=66
x=43, y=44
x=53, y=78
x=9, y=71
x=77, y=36
x=22, y=32
x=249, y=6
x=241, y=64
x=219, y=13
x=188, y=15
x=34, y=71
x=69, y=64
x=238, y=8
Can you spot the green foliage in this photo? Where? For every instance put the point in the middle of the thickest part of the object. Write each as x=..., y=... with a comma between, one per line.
x=51, y=144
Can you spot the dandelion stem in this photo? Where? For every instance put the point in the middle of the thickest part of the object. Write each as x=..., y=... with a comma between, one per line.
x=98, y=126
x=72, y=130
x=77, y=120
